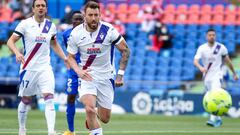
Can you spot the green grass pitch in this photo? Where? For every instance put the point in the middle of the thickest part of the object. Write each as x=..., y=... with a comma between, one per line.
x=128, y=124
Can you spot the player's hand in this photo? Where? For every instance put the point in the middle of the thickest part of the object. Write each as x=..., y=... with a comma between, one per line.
x=203, y=70
x=20, y=58
x=67, y=63
x=235, y=77
x=86, y=76
x=119, y=81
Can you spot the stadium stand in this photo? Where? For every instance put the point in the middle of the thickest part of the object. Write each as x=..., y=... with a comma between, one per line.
x=188, y=24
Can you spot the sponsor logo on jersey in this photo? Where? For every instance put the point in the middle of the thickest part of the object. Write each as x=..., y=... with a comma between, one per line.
x=93, y=50
x=40, y=39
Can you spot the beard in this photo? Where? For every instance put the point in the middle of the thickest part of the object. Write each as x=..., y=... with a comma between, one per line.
x=93, y=25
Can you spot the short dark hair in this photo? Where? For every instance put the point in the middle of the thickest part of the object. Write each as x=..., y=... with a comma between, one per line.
x=91, y=4
x=211, y=30
x=33, y=3
x=75, y=12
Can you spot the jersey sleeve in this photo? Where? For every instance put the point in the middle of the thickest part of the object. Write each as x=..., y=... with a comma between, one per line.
x=198, y=54
x=72, y=47
x=116, y=37
x=54, y=31
x=224, y=51
x=65, y=38
x=20, y=29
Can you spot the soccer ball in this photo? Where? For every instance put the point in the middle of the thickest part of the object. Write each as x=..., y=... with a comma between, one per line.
x=217, y=101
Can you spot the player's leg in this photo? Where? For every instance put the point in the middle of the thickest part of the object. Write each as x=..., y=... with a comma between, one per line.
x=88, y=93
x=105, y=99
x=72, y=91
x=214, y=121
x=22, y=113
x=70, y=114
x=46, y=85
x=27, y=89
x=104, y=114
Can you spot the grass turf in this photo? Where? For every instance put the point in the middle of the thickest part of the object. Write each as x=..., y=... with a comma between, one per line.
x=128, y=124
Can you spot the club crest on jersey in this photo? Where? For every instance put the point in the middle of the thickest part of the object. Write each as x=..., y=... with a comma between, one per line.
x=40, y=39
x=93, y=50
x=102, y=36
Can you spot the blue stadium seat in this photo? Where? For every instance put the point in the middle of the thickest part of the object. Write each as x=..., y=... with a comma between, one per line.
x=176, y=62
x=177, y=53
x=163, y=62
x=13, y=25
x=187, y=73
x=175, y=82
x=189, y=53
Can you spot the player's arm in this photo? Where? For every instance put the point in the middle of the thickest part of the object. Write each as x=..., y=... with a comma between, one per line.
x=58, y=50
x=81, y=73
x=199, y=66
x=230, y=65
x=125, y=53
x=11, y=44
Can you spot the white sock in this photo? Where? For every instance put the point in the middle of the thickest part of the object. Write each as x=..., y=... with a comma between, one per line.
x=212, y=117
x=218, y=118
x=97, y=131
x=22, y=115
x=50, y=115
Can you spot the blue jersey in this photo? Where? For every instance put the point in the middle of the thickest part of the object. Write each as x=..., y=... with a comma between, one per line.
x=66, y=35
x=73, y=82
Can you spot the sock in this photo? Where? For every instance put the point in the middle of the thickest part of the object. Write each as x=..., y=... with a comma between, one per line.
x=70, y=116
x=22, y=115
x=97, y=131
x=212, y=117
x=50, y=115
x=218, y=118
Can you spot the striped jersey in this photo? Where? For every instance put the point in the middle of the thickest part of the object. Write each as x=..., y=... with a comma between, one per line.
x=212, y=58
x=36, y=39
x=96, y=49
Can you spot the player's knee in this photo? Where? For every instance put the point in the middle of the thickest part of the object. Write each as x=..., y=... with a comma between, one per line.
x=71, y=99
x=90, y=110
x=26, y=100
x=105, y=118
x=48, y=96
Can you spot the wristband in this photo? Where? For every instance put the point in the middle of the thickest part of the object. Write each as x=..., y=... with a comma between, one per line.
x=121, y=72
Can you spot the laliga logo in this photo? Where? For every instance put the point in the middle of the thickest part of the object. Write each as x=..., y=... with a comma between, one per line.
x=142, y=103
x=234, y=2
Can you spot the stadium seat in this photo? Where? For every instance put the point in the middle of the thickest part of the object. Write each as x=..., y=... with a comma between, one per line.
x=193, y=19
x=218, y=19
x=218, y=9
x=231, y=10
x=169, y=18
x=182, y=9
x=230, y=19
x=194, y=9
x=134, y=9
x=112, y=7
x=122, y=8
x=206, y=9
x=205, y=19
x=181, y=19
x=170, y=8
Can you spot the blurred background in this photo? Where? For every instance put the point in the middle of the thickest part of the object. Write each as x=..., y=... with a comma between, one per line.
x=163, y=36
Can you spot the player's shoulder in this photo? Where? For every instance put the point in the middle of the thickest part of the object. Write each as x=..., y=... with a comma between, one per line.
x=78, y=29
x=27, y=21
x=221, y=44
x=203, y=46
x=67, y=32
x=106, y=24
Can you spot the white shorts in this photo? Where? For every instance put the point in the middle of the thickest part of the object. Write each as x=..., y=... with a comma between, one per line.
x=102, y=89
x=36, y=82
x=211, y=84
